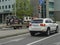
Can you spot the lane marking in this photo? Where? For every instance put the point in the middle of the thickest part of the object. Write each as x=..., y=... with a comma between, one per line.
x=42, y=39
x=16, y=36
x=15, y=40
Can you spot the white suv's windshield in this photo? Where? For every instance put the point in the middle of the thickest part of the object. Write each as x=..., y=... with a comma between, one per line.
x=37, y=21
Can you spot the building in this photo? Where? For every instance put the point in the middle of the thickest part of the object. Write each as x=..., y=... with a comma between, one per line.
x=46, y=9
x=6, y=8
x=50, y=8
x=57, y=9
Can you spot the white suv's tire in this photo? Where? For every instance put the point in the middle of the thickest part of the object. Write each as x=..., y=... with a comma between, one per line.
x=48, y=32
x=32, y=33
x=57, y=30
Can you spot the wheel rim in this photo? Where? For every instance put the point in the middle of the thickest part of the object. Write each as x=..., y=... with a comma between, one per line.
x=48, y=32
x=57, y=29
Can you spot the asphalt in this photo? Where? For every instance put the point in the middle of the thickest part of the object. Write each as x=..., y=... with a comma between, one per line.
x=27, y=39
x=53, y=39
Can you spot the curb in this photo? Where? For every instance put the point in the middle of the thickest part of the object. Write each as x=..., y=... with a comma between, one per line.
x=13, y=35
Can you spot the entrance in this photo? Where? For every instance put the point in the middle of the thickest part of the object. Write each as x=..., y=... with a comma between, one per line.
x=3, y=17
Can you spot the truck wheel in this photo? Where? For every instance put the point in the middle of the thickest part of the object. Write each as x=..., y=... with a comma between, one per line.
x=14, y=27
x=27, y=26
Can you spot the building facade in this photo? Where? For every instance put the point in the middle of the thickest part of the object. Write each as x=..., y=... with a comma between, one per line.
x=47, y=8
x=51, y=8
x=57, y=9
x=6, y=8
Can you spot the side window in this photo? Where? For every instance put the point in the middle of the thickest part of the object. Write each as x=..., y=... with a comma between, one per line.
x=48, y=21
x=52, y=21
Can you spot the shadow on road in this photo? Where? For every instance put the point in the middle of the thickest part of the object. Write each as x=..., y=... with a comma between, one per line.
x=43, y=35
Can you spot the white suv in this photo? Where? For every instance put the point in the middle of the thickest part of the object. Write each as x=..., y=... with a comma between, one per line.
x=42, y=25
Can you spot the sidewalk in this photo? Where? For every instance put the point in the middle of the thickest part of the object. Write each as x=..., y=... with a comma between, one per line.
x=9, y=33
x=2, y=25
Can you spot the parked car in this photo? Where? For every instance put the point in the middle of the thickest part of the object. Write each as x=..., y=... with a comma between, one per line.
x=43, y=25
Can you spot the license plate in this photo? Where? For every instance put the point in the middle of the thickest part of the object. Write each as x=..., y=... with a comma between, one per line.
x=35, y=25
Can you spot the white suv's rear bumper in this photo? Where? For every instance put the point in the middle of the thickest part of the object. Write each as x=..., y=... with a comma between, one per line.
x=38, y=29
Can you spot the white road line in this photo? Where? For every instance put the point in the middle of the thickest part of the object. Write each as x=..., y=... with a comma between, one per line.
x=17, y=36
x=42, y=39
x=15, y=40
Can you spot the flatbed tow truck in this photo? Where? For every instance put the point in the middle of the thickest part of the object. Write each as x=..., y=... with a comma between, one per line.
x=18, y=26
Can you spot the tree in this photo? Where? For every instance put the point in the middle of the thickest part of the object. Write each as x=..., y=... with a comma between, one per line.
x=23, y=8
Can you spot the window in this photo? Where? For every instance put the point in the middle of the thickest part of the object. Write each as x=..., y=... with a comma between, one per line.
x=6, y=7
x=2, y=7
x=48, y=21
x=9, y=6
x=12, y=6
x=37, y=21
x=51, y=13
x=5, y=0
x=0, y=0
x=51, y=4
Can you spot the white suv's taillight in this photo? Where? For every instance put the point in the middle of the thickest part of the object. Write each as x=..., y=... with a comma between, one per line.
x=42, y=24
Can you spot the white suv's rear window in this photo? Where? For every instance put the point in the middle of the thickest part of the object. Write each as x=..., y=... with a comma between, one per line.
x=37, y=21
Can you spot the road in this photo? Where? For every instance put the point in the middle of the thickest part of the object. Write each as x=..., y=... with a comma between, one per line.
x=27, y=39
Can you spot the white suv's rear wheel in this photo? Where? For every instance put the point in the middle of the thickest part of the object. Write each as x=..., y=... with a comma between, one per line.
x=57, y=30
x=48, y=32
x=32, y=33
